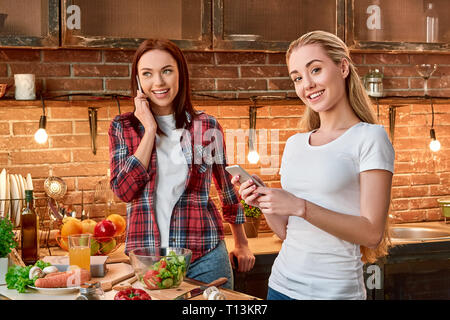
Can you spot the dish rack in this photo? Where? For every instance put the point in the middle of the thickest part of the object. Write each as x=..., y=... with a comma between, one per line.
x=46, y=221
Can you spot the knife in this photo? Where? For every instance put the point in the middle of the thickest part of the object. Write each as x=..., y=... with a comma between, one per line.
x=199, y=290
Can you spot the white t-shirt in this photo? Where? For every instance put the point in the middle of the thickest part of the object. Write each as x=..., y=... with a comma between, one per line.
x=172, y=173
x=312, y=263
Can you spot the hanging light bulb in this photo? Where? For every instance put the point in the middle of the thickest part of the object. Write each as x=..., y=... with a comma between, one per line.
x=253, y=157
x=435, y=145
x=41, y=135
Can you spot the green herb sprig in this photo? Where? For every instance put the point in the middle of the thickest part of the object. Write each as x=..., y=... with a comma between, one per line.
x=7, y=242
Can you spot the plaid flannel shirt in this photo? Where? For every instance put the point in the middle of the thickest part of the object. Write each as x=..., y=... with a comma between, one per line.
x=195, y=223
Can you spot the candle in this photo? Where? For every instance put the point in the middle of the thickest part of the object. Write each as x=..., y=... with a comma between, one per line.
x=25, y=87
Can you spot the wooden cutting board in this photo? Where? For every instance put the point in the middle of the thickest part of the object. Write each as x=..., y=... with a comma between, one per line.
x=170, y=294
x=116, y=272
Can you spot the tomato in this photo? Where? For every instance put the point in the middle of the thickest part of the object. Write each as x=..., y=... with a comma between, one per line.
x=151, y=279
x=162, y=264
x=132, y=294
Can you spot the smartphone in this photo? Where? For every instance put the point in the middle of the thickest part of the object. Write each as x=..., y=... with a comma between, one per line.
x=139, y=84
x=243, y=175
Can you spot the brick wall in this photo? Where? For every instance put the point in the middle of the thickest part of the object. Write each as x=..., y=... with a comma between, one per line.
x=222, y=74
x=421, y=176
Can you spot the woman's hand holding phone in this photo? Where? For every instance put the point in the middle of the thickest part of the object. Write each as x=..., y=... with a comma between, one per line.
x=247, y=189
x=142, y=111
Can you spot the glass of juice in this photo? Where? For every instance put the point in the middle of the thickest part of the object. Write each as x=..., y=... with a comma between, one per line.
x=80, y=251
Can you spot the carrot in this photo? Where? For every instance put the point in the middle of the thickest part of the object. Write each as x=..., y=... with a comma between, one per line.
x=65, y=279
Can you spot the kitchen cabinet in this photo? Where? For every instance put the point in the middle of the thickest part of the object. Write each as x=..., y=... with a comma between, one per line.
x=414, y=25
x=119, y=24
x=25, y=23
x=272, y=24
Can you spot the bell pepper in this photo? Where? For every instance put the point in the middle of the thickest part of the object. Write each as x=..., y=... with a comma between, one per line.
x=132, y=294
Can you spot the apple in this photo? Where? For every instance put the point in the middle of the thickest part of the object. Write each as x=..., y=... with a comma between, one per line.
x=104, y=231
x=107, y=247
x=95, y=246
x=88, y=226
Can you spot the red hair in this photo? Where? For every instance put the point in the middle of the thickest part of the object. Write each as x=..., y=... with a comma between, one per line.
x=182, y=102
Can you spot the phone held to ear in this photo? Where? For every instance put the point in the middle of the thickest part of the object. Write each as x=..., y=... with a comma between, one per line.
x=243, y=175
x=139, y=84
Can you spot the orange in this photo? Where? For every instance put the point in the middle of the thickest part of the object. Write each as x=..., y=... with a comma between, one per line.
x=71, y=226
x=119, y=222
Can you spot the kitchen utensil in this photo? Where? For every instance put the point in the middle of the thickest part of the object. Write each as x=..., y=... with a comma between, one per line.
x=55, y=187
x=93, y=128
x=199, y=290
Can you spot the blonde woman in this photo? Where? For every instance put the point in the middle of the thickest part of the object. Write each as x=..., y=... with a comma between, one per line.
x=336, y=180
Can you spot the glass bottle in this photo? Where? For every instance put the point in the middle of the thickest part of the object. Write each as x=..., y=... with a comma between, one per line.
x=432, y=23
x=29, y=231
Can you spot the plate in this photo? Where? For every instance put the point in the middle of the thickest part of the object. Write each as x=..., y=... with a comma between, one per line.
x=23, y=184
x=14, y=195
x=56, y=291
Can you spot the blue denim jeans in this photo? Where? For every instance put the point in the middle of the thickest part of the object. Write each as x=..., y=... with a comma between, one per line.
x=275, y=295
x=213, y=265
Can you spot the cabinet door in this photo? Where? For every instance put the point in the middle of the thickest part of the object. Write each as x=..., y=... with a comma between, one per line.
x=25, y=23
x=125, y=24
x=273, y=24
x=398, y=25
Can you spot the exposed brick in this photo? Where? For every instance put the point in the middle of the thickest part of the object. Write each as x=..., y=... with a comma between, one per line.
x=281, y=84
x=202, y=84
x=395, y=83
x=74, y=84
x=263, y=71
x=118, y=84
x=71, y=55
x=119, y=56
x=212, y=72
x=91, y=70
x=4, y=128
x=19, y=55
x=240, y=58
x=20, y=113
x=40, y=157
x=199, y=57
x=102, y=155
x=428, y=58
x=41, y=70
x=4, y=159
x=276, y=58
x=383, y=59
x=241, y=84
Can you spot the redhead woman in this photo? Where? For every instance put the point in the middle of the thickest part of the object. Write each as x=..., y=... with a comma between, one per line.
x=336, y=176
x=164, y=156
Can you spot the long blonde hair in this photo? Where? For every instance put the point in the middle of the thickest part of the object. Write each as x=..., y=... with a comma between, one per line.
x=360, y=102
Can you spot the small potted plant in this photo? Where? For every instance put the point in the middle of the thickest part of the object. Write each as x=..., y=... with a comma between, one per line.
x=252, y=219
x=7, y=243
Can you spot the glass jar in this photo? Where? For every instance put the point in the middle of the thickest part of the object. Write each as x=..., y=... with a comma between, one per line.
x=373, y=83
x=90, y=290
